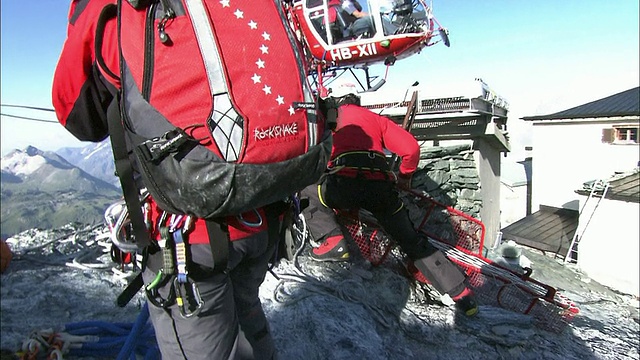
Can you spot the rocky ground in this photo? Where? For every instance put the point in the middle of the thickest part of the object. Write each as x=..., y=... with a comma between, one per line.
x=322, y=311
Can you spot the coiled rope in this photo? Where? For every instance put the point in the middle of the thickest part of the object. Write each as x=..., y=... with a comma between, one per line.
x=95, y=338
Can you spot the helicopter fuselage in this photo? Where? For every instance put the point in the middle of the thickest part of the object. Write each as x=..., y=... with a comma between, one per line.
x=375, y=34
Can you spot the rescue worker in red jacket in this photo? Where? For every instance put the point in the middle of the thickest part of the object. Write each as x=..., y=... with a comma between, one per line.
x=359, y=177
x=231, y=323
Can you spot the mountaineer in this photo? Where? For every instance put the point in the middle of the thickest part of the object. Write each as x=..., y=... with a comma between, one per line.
x=209, y=139
x=359, y=177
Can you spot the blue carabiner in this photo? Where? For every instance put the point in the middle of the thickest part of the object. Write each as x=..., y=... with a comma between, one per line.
x=251, y=224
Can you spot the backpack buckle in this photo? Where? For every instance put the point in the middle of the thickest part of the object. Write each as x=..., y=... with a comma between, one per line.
x=159, y=147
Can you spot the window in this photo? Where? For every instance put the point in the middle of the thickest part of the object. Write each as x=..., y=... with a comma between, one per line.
x=627, y=134
x=620, y=135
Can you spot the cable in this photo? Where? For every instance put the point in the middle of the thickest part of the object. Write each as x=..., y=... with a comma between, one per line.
x=27, y=107
x=29, y=118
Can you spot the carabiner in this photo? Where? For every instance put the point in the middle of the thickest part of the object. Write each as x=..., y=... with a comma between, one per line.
x=251, y=224
x=189, y=303
x=161, y=220
x=154, y=296
x=174, y=222
x=188, y=224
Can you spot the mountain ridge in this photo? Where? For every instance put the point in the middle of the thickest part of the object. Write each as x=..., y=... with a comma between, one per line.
x=42, y=189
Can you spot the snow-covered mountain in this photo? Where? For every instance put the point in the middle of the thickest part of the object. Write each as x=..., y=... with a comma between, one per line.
x=41, y=189
x=25, y=162
x=96, y=159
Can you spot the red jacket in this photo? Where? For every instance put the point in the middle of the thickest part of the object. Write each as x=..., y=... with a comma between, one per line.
x=82, y=90
x=360, y=129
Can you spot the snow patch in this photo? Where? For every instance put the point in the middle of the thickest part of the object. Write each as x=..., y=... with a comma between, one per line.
x=20, y=163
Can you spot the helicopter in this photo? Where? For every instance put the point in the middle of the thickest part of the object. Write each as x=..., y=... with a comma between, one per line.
x=381, y=32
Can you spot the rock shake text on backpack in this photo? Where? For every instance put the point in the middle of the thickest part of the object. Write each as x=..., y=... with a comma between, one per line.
x=209, y=111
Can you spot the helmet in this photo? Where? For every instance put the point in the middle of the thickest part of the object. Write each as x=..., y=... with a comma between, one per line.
x=343, y=89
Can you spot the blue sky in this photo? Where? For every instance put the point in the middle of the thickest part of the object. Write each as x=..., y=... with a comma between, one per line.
x=542, y=56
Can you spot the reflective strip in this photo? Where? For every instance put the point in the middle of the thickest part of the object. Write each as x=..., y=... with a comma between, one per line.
x=226, y=125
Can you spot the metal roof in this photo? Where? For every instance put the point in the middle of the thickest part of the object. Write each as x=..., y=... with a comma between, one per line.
x=626, y=103
x=550, y=229
x=625, y=187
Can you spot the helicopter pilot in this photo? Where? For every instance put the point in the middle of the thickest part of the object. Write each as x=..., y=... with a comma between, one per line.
x=348, y=20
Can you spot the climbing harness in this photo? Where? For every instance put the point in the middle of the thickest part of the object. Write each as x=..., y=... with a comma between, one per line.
x=369, y=165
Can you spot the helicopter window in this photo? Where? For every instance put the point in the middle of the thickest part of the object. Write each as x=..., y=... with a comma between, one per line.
x=402, y=16
x=403, y=7
x=313, y=3
x=353, y=20
x=338, y=22
x=317, y=19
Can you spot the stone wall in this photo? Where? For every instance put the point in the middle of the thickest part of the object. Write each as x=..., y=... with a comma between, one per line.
x=450, y=176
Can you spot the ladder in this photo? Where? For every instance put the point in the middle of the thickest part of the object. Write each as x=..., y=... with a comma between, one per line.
x=598, y=185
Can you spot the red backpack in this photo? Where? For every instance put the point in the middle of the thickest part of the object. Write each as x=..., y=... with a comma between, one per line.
x=215, y=105
x=206, y=103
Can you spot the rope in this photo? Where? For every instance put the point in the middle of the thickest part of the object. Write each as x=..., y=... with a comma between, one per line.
x=133, y=340
x=95, y=338
x=348, y=290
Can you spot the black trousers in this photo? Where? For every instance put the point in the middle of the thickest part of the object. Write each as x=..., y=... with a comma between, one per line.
x=381, y=198
x=383, y=201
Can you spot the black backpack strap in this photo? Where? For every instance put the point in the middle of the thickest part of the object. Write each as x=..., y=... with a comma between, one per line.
x=277, y=227
x=219, y=241
x=124, y=170
x=329, y=109
x=130, y=291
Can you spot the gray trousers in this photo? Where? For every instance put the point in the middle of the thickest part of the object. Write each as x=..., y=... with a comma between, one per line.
x=232, y=324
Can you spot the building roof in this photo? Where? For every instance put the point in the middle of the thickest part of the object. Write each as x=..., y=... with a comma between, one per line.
x=622, y=187
x=550, y=229
x=626, y=103
x=515, y=173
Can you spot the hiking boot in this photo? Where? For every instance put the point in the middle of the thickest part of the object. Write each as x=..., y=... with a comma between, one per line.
x=334, y=248
x=466, y=303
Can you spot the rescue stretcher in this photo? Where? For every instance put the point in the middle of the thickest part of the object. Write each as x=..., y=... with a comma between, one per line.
x=461, y=238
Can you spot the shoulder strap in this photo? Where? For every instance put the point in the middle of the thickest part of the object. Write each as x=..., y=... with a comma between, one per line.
x=123, y=166
x=124, y=170
x=109, y=12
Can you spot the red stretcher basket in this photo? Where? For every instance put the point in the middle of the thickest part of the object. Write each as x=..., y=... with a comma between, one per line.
x=461, y=238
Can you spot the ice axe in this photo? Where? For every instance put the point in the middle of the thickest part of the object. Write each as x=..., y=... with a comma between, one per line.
x=407, y=123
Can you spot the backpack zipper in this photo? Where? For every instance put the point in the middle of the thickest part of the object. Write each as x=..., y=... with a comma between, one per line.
x=149, y=41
